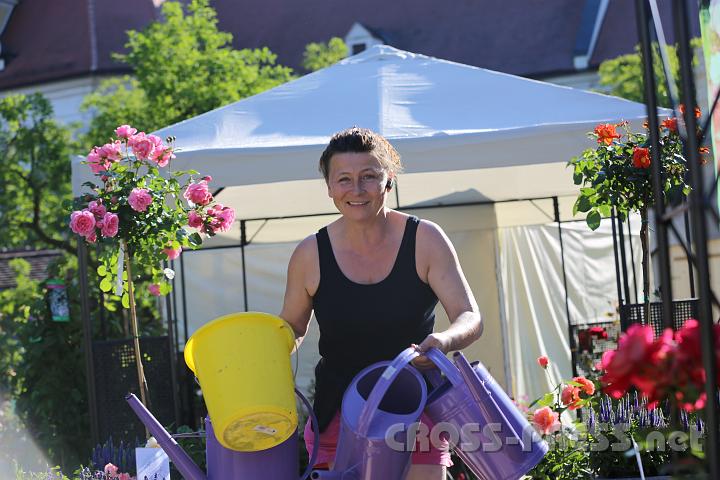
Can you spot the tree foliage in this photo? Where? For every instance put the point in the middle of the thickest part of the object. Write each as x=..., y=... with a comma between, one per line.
x=35, y=155
x=321, y=55
x=623, y=76
x=43, y=366
x=182, y=66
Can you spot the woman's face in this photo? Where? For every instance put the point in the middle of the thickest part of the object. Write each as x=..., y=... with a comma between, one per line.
x=357, y=184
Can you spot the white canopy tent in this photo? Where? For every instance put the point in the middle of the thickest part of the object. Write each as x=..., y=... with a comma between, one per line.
x=466, y=135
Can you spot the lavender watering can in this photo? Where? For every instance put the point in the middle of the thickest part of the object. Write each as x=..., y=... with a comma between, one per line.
x=278, y=463
x=489, y=433
x=386, y=396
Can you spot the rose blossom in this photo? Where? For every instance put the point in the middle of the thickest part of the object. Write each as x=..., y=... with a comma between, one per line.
x=226, y=216
x=172, y=253
x=670, y=124
x=125, y=131
x=139, y=199
x=162, y=157
x=194, y=220
x=641, y=157
x=110, y=223
x=154, y=289
x=111, y=151
x=97, y=208
x=606, y=133
x=110, y=469
x=198, y=193
x=82, y=222
x=570, y=397
x=546, y=420
x=142, y=146
x=96, y=162
x=543, y=361
x=587, y=387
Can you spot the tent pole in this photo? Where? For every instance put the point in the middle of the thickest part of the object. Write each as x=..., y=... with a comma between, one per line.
x=623, y=259
x=632, y=259
x=243, y=242
x=173, y=351
x=571, y=336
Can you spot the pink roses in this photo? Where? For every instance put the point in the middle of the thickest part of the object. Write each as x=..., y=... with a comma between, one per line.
x=216, y=218
x=198, y=193
x=100, y=158
x=139, y=199
x=546, y=421
x=85, y=222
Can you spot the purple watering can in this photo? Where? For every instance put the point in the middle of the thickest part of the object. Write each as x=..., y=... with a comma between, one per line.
x=383, y=395
x=279, y=462
x=489, y=433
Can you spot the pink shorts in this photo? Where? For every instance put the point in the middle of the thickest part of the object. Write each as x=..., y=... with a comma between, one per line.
x=435, y=455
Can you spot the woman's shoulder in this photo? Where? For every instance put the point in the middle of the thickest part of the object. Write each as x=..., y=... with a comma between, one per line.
x=306, y=250
x=431, y=240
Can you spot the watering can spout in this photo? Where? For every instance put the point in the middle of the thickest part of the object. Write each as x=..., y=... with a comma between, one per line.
x=182, y=460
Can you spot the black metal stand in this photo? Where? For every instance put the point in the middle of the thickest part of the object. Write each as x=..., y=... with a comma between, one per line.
x=699, y=206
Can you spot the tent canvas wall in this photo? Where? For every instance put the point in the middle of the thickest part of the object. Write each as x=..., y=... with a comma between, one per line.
x=466, y=135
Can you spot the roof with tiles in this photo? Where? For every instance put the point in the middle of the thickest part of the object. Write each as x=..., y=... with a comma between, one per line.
x=522, y=37
x=47, y=40
x=38, y=260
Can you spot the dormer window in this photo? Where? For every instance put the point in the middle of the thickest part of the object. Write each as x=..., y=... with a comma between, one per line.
x=6, y=8
x=360, y=38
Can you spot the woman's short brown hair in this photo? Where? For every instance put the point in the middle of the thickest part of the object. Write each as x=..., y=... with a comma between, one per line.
x=361, y=140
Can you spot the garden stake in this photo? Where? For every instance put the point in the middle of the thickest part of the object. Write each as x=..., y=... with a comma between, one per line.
x=142, y=382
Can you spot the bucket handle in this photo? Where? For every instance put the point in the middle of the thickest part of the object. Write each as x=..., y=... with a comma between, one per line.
x=445, y=366
x=316, y=431
x=467, y=372
x=381, y=387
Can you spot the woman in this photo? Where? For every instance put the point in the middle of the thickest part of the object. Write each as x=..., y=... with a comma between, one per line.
x=373, y=278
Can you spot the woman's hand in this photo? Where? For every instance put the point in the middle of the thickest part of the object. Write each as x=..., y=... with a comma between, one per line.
x=439, y=340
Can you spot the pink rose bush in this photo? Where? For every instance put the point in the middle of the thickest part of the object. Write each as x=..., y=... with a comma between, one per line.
x=131, y=203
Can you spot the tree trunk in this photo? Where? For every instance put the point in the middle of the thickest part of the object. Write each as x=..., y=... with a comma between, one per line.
x=142, y=382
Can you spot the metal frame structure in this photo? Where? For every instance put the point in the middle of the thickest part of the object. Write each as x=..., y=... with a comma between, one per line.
x=699, y=205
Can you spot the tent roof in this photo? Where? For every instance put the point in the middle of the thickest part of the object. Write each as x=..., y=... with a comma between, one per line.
x=441, y=116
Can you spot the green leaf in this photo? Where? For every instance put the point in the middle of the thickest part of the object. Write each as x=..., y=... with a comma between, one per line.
x=102, y=271
x=578, y=178
x=593, y=219
x=126, y=300
x=195, y=239
x=105, y=285
x=582, y=205
x=605, y=210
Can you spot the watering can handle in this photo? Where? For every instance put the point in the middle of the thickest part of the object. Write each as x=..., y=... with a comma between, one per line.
x=316, y=431
x=381, y=387
x=445, y=366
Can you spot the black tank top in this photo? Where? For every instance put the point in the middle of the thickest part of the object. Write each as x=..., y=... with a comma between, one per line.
x=362, y=324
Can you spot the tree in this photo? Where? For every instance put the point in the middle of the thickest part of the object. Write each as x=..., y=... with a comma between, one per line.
x=321, y=55
x=623, y=76
x=34, y=173
x=182, y=66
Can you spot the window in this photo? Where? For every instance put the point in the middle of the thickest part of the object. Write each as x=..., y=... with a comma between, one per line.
x=357, y=48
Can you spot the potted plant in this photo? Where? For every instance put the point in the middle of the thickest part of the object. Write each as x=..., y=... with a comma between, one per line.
x=616, y=174
x=141, y=216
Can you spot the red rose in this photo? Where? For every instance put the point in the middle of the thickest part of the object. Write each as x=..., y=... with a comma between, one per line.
x=641, y=157
x=606, y=133
x=670, y=124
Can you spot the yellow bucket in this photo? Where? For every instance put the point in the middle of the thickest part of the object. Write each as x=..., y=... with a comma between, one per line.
x=242, y=362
